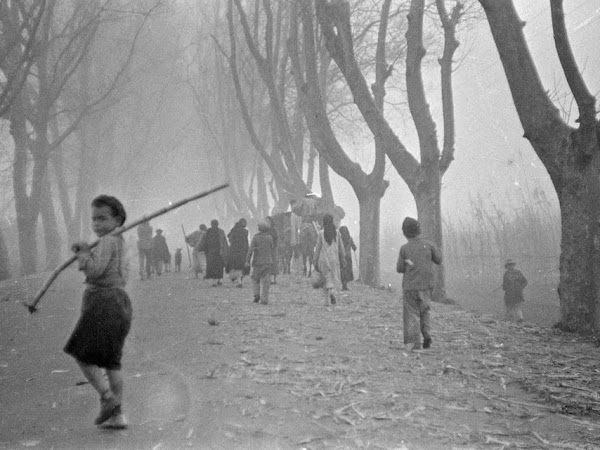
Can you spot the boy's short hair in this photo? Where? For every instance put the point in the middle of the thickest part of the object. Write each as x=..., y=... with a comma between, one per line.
x=263, y=225
x=114, y=204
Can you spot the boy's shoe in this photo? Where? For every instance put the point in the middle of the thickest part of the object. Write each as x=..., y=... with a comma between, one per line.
x=427, y=343
x=117, y=421
x=417, y=347
x=240, y=285
x=332, y=298
x=256, y=298
x=108, y=406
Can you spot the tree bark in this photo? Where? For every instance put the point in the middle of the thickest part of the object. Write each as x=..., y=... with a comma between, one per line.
x=429, y=210
x=52, y=239
x=369, y=204
x=25, y=207
x=5, y=272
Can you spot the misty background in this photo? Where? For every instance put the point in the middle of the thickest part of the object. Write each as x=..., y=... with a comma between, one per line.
x=153, y=138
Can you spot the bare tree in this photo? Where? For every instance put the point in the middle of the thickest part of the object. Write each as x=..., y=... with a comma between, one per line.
x=42, y=118
x=571, y=154
x=368, y=187
x=94, y=115
x=218, y=112
x=270, y=60
x=19, y=24
x=422, y=177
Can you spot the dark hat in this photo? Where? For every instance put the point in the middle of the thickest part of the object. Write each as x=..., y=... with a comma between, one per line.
x=509, y=262
x=411, y=227
x=158, y=230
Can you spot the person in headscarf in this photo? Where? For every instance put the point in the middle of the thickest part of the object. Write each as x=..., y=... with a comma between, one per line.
x=198, y=257
x=238, y=250
x=416, y=261
x=329, y=254
x=214, y=245
x=347, y=273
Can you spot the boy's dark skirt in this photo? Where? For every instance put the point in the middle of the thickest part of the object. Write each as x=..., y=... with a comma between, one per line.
x=100, y=333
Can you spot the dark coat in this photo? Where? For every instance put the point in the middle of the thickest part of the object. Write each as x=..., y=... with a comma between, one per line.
x=513, y=284
x=214, y=245
x=160, y=251
x=238, y=248
x=347, y=272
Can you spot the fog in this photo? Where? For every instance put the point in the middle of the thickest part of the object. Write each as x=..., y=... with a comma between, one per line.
x=164, y=149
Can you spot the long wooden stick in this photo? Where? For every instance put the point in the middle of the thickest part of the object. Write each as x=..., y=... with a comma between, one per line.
x=32, y=307
x=186, y=245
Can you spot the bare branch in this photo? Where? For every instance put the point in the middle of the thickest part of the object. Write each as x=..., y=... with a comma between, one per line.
x=449, y=23
x=585, y=100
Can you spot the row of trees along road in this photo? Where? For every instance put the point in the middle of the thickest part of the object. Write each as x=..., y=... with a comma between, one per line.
x=274, y=85
x=59, y=78
x=317, y=95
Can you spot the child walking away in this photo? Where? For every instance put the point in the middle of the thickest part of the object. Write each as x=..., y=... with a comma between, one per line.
x=97, y=341
x=329, y=256
x=416, y=261
x=513, y=284
x=238, y=250
x=261, y=256
x=347, y=273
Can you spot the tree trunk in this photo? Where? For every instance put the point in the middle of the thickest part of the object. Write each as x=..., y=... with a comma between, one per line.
x=27, y=215
x=52, y=240
x=428, y=201
x=4, y=259
x=579, y=283
x=369, y=267
x=325, y=183
x=262, y=203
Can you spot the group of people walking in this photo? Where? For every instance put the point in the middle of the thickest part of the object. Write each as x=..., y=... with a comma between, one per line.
x=216, y=254
x=97, y=340
x=153, y=252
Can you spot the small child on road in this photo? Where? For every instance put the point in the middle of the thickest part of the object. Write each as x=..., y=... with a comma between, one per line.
x=416, y=261
x=513, y=284
x=97, y=341
x=260, y=255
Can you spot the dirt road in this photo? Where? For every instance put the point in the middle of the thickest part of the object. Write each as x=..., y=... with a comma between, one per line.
x=206, y=368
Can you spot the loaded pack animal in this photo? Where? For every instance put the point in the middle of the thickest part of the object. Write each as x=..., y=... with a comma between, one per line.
x=284, y=240
x=308, y=241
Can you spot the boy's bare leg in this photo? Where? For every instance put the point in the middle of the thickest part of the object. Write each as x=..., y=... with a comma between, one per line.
x=115, y=380
x=264, y=289
x=256, y=289
x=96, y=378
x=109, y=402
x=327, y=293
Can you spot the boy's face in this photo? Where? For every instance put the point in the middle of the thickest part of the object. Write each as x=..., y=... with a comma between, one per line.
x=103, y=222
